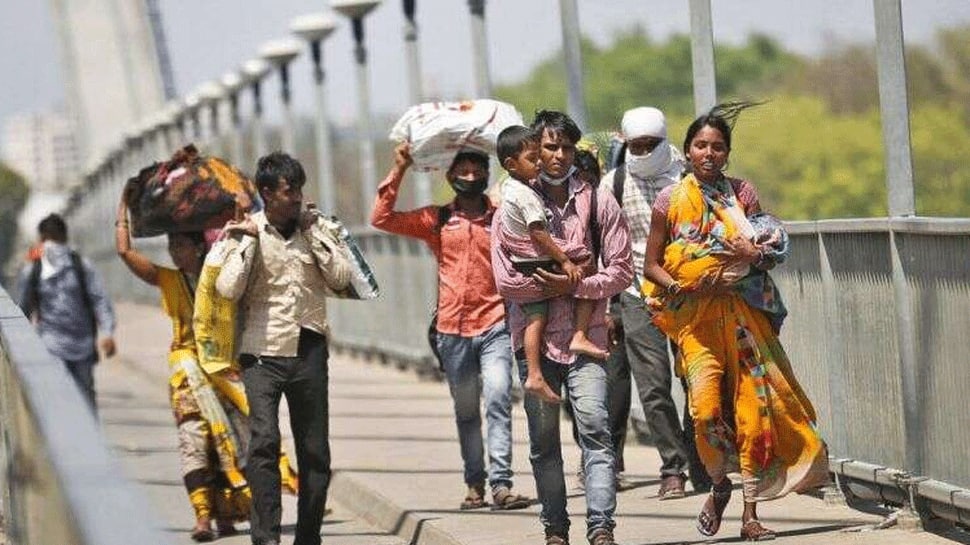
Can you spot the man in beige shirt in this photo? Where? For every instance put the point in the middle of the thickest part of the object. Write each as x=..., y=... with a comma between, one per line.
x=281, y=272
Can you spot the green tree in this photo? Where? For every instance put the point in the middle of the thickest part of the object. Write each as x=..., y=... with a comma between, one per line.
x=13, y=196
x=634, y=70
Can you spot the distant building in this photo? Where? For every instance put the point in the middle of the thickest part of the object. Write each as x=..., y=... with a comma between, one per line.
x=42, y=147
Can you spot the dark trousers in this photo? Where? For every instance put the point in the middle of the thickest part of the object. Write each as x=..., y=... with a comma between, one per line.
x=82, y=371
x=303, y=380
x=650, y=364
x=618, y=394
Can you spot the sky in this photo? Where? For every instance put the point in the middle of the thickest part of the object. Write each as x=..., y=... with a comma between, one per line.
x=207, y=38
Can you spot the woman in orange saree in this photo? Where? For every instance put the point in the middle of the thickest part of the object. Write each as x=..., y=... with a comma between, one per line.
x=714, y=299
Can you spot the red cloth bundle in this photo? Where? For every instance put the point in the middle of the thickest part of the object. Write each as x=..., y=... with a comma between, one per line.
x=189, y=192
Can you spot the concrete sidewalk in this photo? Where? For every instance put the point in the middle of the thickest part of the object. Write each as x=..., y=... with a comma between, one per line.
x=398, y=475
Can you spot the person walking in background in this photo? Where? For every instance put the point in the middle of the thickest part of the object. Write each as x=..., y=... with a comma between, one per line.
x=210, y=411
x=472, y=337
x=577, y=215
x=281, y=272
x=65, y=297
x=649, y=164
x=617, y=365
x=711, y=293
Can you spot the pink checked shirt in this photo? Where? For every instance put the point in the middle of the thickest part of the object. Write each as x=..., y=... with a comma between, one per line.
x=614, y=275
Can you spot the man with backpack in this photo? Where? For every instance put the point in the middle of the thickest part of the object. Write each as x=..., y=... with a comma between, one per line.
x=65, y=297
x=648, y=163
x=470, y=336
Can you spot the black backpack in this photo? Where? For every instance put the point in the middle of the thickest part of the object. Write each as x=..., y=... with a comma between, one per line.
x=31, y=302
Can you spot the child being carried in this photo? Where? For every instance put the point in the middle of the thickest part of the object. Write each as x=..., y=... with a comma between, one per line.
x=530, y=246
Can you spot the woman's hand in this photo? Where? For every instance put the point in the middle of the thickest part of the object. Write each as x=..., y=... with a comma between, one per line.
x=245, y=226
x=741, y=249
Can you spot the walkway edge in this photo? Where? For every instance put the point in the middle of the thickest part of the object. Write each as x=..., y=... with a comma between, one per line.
x=415, y=527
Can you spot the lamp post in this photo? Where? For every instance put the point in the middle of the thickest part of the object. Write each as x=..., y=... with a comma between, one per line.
x=356, y=10
x=280, y=53
x=422, y=187
x=192, y=104
x=574, y=61
x=255, y=70
x=212, y=93
x=483, y=76
x=232, y=82
x=315, y=28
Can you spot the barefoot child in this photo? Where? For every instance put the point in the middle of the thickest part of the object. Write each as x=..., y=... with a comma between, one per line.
x=524, y=217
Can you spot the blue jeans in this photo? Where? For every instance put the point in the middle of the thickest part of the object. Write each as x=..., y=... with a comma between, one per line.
x=586, y=388
x=489, y=356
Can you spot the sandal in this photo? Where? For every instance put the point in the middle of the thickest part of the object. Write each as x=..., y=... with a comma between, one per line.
x=226, y=528
x=709, y=519
x=475, y=498
x=754, y=531
x=505, y=500
x=202, y=534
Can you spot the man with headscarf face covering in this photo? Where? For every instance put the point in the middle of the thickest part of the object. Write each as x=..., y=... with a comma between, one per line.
x=650, y=163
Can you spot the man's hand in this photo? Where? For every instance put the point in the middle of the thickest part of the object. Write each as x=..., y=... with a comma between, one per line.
x=245, y=226
x=108, y=347
x=572, y=271
x=553, y=284
x=614, y=330
x=536, y=385
x=402, y=157
x=309, y=216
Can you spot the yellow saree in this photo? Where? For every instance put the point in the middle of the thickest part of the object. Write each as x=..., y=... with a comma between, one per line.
x=750, y=414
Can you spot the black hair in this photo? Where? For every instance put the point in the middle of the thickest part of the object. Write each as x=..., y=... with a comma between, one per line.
x=557, y=123
x=721, y=117
x=479, y=159
x=586, y=161
x=196, y=237
x=512, y=140
x=53, y=228
x=271, y=168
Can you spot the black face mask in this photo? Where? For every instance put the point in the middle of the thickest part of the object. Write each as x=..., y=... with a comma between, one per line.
x=469, y=188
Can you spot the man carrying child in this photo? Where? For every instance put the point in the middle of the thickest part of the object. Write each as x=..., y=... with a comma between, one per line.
x=576, y=216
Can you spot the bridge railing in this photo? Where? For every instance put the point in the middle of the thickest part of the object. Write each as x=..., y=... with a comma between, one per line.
x=879, y=319
x=58, y=481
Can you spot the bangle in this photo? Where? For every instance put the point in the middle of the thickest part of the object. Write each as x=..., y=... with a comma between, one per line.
x=673, y=288
x=121, y=223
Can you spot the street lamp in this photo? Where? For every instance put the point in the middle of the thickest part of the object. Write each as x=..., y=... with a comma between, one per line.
x=483, y=76
x=574, y=61
x=192, y=104
x=356, y=10
x=255, y=70
x=280, y=53
x=212, y=93
x=315, y=28
x=422, y=194
x=232, y=82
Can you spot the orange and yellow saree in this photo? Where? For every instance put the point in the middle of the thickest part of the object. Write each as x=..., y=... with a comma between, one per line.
x=750, y=414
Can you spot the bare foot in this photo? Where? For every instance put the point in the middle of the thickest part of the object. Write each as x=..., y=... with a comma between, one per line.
x=582, y=345
x=537, y=386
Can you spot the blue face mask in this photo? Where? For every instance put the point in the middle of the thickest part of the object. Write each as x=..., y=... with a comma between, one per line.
x=470, y=188
x=557, y=181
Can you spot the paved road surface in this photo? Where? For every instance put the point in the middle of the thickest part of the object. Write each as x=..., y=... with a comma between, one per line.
x=398, y=478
